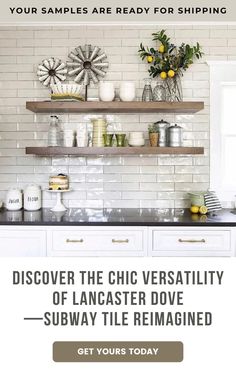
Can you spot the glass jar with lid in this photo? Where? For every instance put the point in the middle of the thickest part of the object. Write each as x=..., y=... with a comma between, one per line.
x=54, y=132
x=147, y=95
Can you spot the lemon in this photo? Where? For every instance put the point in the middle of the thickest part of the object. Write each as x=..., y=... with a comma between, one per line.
x=203, y=210
x=161, y=49
x=194, y=209
x=163, y=75
x=203, y=218
x=149, y=59
x=195, y=217
x=171, y=73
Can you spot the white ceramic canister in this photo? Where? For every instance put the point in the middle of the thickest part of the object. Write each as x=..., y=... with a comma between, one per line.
x=106, y=91
x=32, y=198
x=14, y=199
x=127, y=91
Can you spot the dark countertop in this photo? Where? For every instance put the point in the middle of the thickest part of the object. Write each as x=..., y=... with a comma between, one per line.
x=122, y=217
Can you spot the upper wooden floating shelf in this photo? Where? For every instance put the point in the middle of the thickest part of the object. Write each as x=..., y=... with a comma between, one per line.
x=113, y=107
x=103, y=151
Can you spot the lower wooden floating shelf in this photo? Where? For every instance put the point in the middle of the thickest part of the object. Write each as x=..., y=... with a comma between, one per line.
x=103, y=151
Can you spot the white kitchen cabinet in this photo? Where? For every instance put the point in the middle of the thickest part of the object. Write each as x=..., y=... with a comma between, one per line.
x=97, y=241
x=22, y=242
x=191, y=241
x=121, y=241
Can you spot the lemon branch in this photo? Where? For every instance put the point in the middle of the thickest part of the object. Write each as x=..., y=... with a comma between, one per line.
x=168, y=59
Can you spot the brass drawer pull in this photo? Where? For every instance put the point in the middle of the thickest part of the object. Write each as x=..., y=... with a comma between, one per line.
x=74, y=241
x=192, y=241
x=120, y=241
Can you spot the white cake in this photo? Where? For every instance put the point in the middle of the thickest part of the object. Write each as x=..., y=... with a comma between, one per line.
x=59, y=182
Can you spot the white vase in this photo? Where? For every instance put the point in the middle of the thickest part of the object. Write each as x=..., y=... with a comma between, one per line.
x=127, y=91
x=106, y=91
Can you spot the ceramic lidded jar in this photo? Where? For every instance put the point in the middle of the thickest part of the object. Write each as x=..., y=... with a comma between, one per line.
x=32, y=198
x=14, y=199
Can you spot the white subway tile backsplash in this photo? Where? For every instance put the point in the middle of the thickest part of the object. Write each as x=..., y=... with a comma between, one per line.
x=157, y=203
x=8, y=127
x=191, y=169
x=201, y=178
x=119, y=181
x=142, y=161
x=85, y=203
x=139, y=195
x=31, y=160
x=191, y=186
x=157, y=169
x=138, y=177
x=9, y=51
x=54, y=34
x=124, y=186
x=8, y=144
x=85, y=169
x=175, y=160
x=104, y=195
x=5, y=161
x=11, y=152
x=102, y=178
x=121, y=169
x=157, y=186
x=120, y=203
x=7, y=178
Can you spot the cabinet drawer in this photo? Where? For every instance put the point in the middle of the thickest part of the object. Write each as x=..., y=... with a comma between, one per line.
x=92, y=242
x=22, y=243
x=191, y=240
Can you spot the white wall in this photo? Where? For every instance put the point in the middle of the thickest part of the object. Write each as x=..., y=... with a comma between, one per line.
x=98, y=181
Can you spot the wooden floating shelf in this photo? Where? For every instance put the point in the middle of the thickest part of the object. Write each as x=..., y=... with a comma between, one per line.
x=104, y=151
x=113, y=107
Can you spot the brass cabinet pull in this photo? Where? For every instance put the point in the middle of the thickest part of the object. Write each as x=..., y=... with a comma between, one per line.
x=74, y=241
x=192, y=241
x=120, y=241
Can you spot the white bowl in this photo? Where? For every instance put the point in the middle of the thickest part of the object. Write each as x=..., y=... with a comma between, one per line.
x=140, y=143
x=66, y=89
x=136, y=134
x=137, y=139
x=140, y=139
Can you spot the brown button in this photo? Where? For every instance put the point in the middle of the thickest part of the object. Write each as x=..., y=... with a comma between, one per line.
x=118, y=352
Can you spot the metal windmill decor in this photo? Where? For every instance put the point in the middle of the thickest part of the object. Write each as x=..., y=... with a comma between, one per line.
x=87, y=64
x=51, y=71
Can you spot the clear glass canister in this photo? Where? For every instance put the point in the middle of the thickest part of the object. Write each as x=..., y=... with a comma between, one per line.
x=147, y=95
x=159, y=91
x=54, y=132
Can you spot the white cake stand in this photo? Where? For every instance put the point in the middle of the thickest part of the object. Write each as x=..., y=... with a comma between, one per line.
x=59, y=207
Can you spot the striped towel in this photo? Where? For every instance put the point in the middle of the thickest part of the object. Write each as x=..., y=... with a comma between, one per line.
x=212, y=202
